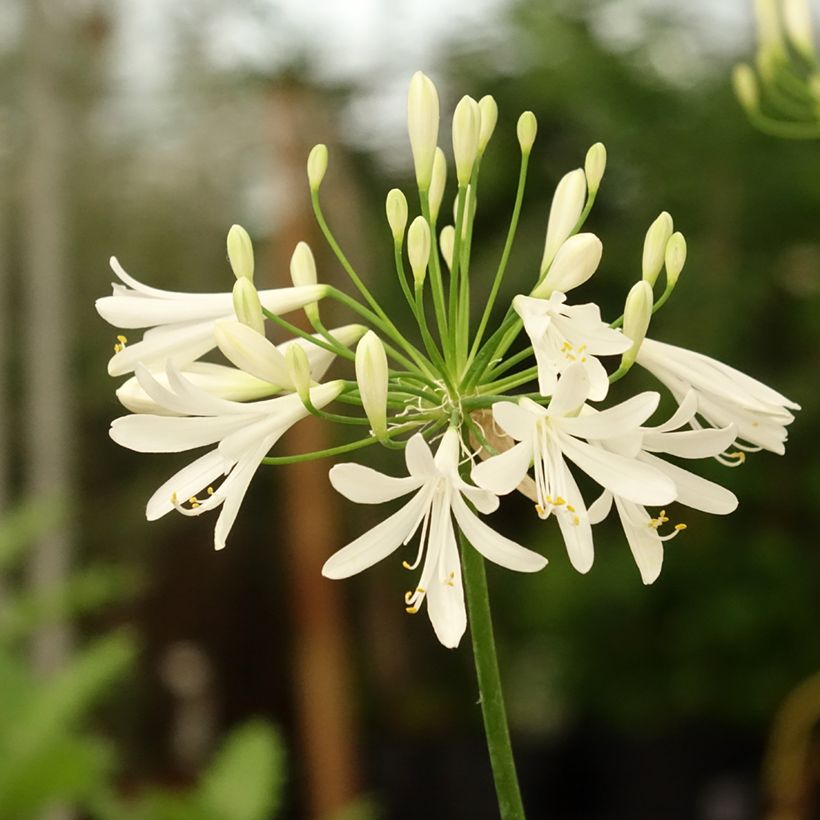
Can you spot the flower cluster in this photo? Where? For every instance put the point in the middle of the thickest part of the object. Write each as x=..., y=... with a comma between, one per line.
x=479, y=414
x=783, y=97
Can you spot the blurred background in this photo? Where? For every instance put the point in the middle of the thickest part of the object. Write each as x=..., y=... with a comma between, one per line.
x=142, y=675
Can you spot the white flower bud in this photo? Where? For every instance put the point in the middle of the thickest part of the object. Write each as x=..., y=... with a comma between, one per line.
x=396, y=208
x=316, y=166
x=240, y=252
x=768, y=25
x=637, y=313
x=447, y=241
x=371, y=376
x=565, y=211
x=437, y=183
x=466, y=129
x=577, y=259
x=246, y=305
x=302, y=265
x=594, y=166
x=654, y=247
x=675, y=258
x=526, y=129
x=418, y=248
x=298, y=370
x=797, y=22
x=422, y=126
x=745, y=85
x=488, y=109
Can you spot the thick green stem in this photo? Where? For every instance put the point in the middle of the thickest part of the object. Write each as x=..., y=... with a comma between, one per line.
x=507, y=791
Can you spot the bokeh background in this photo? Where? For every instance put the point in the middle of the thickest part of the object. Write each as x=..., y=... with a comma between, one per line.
x=132, y=656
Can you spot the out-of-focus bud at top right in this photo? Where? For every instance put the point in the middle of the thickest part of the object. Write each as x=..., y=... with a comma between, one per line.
x=396, y=208
x=246, y=305
x=466, y=129
x=303, y=265
x=577, y=259
x=438, y=182
x=745, y=85
x=488, y=109
x=565, y=211
x=594, y=166
x=418, y=248
x=637, y=314
x=769, y=33
x=797, y=22
x=316, y=166
x=240, y=252
x=422, y=126
x=527, y=129
x=675, y=258
x=654, y=247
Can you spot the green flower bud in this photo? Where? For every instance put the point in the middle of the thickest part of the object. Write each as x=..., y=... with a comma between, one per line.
x=637, y=314
x=745, y=85
x=594, y=166
x=302, y=265
x=488, y=109
x=565, y=211
x=674, y=258
x=298, y=370
x=316, y=166
x=466, y=130
x=577, y=259
x=527, y=129
x=418, y=248
x=396, y=208
x=654, y=247
x=422, y=126
x=246, y=305
x=372, y=377
x=240, y=252
x=446, y=241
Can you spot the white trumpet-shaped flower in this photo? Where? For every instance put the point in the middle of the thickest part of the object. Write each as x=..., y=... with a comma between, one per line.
x=243, y=433
x=548, y=436
x=643, y=530
x=440, y=494
x=563, y=335
x=179, y=325
x=725, y=396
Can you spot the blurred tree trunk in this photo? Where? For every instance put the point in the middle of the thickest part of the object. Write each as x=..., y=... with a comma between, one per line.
x=322, y=668
x=47, y=409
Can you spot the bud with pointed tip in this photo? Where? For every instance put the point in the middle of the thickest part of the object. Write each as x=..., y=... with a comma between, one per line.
x=674, y=258
x=526, y=129
x=797, y=22
x=437, y=183
x=637, y=313
x=488, y=109
x=418, y=248
x=240, y=252
x=316, y=166
x=422, y=126
x=745, y=85
x=577, y=259
x=565, y=211
x=446, y=241
x=396, y=208
x=303, y=272
x=372, y=376
x=466, y=129
x=246, y=305
x=298, y=370
x=594, y=166
x=654, y=247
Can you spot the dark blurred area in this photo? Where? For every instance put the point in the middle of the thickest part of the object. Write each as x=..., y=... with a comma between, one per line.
x=145, y=130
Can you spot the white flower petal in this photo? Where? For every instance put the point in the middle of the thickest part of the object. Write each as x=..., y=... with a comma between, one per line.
x=365, y=485
x=501, y=474
x=445, y=598
x=694, y=491
x=620, y=420
x=575, y=527
x=186, y=483
x=419, y=458
x=571, y=393
x=686, y=410
x=643, y=540
x=516, y=420
x=251, y=352
x=172, y=434
x=184, y=343
x=599, y=509
x=691, y=443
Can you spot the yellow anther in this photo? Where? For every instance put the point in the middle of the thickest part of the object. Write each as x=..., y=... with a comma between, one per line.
x=566, y=346
x=575, y=520
x=680, y=527
x=122, y=339
x=559, y=501
x=210, y=490
x=421, y=590
x=411, y=610
x=174, y=499
x=582, y=348
x=739, y=455
x=406, y=565
x=570, y=508
x=449, y=583
x=407, y=596
x=539, y=509
x=570, y=357
x=584, y=359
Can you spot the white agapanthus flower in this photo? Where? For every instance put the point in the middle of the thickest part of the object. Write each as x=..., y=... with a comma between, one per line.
x=642, y=530
x=243, y=433
x=440, y=494
x=179, y=325
x=725, y=396
x=563, y=335
x=549, y=436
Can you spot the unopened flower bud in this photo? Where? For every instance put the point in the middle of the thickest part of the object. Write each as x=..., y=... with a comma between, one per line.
x=577, y=259
x=594, y=166
x=466, y=130
x=446, y=241
x=316, y=166
x=395, y=207
x=675, y=258
x=768, y=25
x=298, y=370
x=488, y=108
x=637, y=313
x=422, y=126
x=418, y=248
x=565, y=211
x=745, y=85
x=797, y=22
x=437, y=183
x=527, y=129
x=654, y=247
x=240, y=252
x=371, y=376
x=246, y=305
x=302, y=265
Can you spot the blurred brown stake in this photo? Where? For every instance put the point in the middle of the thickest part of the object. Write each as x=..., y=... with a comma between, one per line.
x=312, y=526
